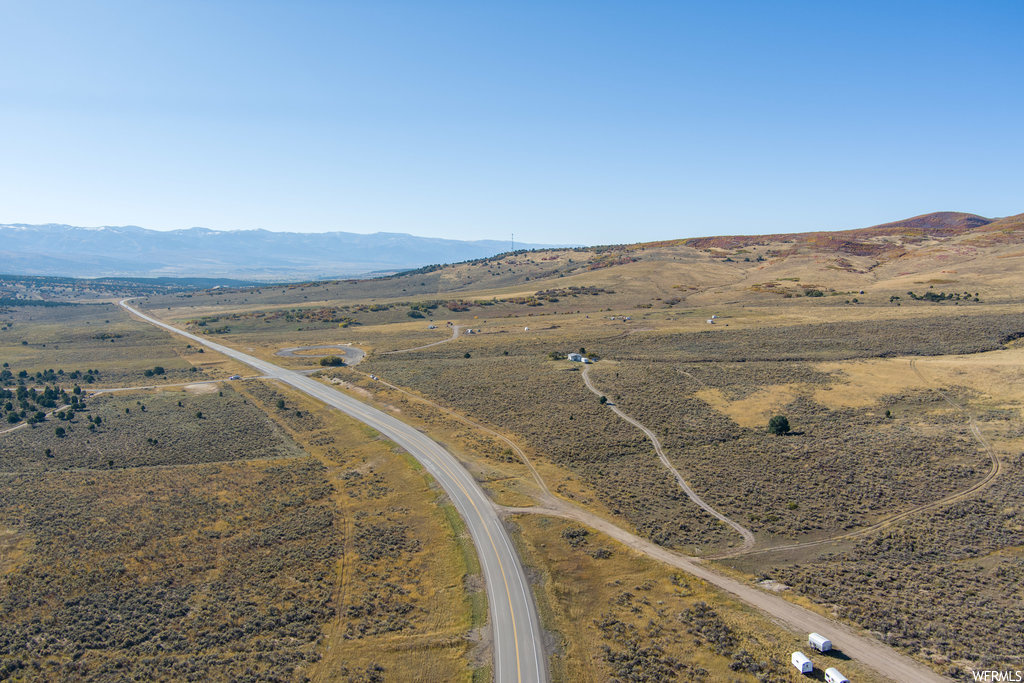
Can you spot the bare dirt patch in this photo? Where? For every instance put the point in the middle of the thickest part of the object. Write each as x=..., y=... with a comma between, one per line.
x=201, y=388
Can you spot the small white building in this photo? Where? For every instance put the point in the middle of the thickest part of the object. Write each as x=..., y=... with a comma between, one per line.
x=819, y=642
x=586, y=360
x=832, y=675
x=431, y=327
x=576, y=357
x=802, y=663
x=710, y=321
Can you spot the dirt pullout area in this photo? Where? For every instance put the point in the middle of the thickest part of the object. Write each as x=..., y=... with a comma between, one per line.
x=350, y=354
x=201, y=388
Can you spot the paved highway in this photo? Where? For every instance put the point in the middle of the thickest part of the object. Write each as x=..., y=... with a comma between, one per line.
x=518, y=649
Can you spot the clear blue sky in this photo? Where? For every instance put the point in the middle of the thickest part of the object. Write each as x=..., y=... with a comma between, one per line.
x=584, y=122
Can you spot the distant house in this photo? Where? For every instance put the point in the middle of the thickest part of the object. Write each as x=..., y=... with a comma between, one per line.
x=432, y=327
x=711, y=321
x=576, y=357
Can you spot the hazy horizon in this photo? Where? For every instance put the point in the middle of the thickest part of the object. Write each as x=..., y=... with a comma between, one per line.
x=518, y=240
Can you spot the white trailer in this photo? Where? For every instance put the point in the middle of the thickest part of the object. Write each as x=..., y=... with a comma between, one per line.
x=819, y=642
x=802, y=663
x=832, y=675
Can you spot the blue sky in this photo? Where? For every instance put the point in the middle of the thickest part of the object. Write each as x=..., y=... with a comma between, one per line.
x=583, y=122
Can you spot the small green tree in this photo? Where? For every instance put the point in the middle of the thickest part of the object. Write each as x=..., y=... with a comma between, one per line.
x=778, y=425
x=59, y=431
x=603, y=400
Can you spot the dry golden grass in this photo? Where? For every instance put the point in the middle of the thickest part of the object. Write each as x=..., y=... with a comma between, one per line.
x=995, y=375
x=754, y=410
x=445, y=609
x=100, y=337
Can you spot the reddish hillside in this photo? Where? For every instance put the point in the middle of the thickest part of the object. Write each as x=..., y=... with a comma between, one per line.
x=1009, y=230
x=939, y=224
x=1008, y=224
x=862, y=241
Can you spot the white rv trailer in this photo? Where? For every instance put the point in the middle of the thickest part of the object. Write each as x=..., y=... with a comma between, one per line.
x=832, y=675
x=819, y=642
x=802, y=663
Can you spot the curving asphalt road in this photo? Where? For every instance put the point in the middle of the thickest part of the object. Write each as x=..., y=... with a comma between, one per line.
x=518, y=648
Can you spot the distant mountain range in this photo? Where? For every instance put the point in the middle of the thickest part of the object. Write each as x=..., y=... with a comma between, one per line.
x=130, y=251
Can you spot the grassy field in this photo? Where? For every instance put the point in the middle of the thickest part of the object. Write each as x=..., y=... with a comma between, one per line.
x=101, y=337
x=557, y=416
x=186, y=573
x=840, y=468
x=408, y=593
x=202, y=424
x=161, y=545
x=946, y=584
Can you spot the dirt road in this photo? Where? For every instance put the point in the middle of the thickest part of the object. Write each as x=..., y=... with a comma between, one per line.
x=456, y=331
x=856, y=645
x=748, y=536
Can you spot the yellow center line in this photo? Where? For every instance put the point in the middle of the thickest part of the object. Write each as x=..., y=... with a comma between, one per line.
x=508, y=591
x=494, y=547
